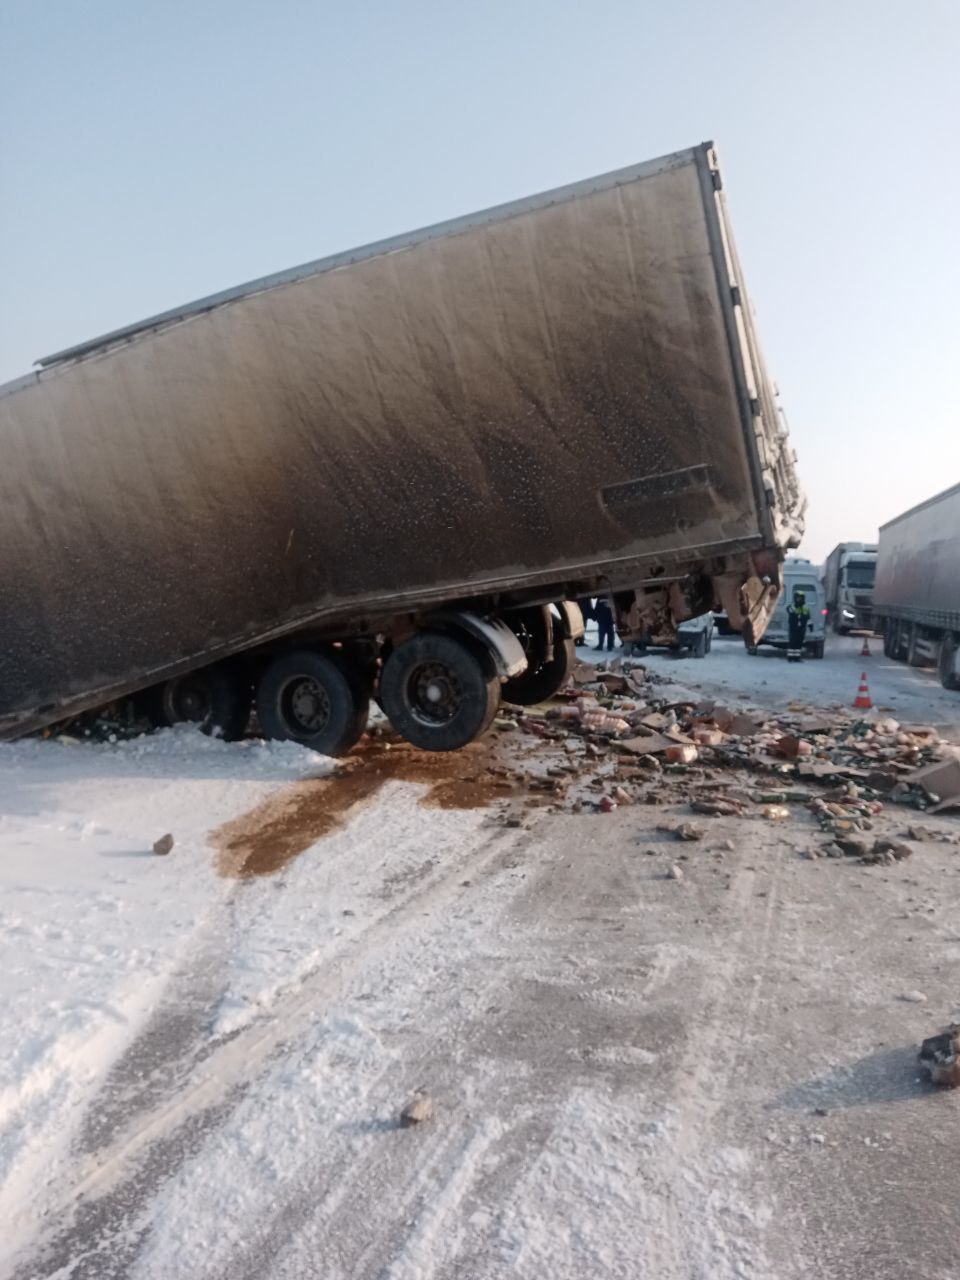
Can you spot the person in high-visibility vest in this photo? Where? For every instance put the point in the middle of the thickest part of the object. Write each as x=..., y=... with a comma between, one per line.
x=798, y=619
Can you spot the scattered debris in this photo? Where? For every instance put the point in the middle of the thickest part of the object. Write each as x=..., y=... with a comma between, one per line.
x=852, y=846
x=602, y=722
x=607, y=733
x=683, y=831
x=928, y=834
x=649, y=742
x=888, y=851
x=689, y=831
x=418, y=1110
x=914, y=997
x=941, y=783
x=163, y=846
x=675, y=872
x=706, y=737
x=939, y=1056
x=718, y=808
x=610, y=732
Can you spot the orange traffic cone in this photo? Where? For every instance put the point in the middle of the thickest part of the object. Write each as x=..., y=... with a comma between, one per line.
x=865, y=651
x=863, y=699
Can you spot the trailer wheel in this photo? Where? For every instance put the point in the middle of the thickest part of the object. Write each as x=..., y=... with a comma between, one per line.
x=215, y=698
x=818, y=647
x=307, y=697
x=540, y=680
x=897, y=638
x=699, y=647
x=753, y=650
x=947, y=662
x=889, y=645
x=437, y=692
x=914, y=656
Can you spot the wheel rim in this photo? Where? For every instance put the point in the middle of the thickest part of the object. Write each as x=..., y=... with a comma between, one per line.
x=435, y=694
x=187, y=699
x=305, y=704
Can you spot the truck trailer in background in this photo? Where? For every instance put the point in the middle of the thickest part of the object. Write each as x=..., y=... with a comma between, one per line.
x=392, y=471
x=917, y=595
x=848, y=578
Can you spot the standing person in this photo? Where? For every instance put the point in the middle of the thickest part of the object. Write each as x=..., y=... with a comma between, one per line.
x=586, y=608
x=798, y=619
x=603, y=612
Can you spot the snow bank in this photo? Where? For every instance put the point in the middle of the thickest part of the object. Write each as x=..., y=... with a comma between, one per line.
x=92, y=923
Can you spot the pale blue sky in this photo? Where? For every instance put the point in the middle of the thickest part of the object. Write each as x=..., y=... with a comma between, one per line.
x=156, y=150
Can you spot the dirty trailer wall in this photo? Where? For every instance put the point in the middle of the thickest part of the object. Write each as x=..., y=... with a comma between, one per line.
x=542, y=394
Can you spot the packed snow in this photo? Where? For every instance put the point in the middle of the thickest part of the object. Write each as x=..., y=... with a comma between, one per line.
x=203, y=1072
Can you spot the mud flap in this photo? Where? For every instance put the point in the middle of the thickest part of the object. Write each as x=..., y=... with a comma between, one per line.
x=571, y=620
x=757, y=600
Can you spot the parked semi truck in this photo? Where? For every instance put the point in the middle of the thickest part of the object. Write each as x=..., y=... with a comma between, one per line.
x=917, y=596
x=849, y=572
x=390, y=473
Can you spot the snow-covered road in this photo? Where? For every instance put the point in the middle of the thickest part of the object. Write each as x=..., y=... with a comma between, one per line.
x=915, y=693
x=633, y=1076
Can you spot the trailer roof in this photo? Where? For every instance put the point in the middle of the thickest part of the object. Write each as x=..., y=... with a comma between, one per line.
x=937, y=497
x=408, y=240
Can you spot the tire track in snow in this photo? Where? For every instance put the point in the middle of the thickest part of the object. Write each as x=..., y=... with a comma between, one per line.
x=109, y=1187
x=426, y=1187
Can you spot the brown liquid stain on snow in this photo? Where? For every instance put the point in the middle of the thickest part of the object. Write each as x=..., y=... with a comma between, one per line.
x=270, y=836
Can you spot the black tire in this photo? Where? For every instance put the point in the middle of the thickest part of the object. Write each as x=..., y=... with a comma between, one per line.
x=753, y=650
x=699, y=647
x=216, y=699
x=709, y=640
x=914, y=657
x=896, y=641
x=310, y=698
x=889, y=647
x=818, y=648
x=901, y=641
x=542, y=681
x=946, y=662
x=438, y=692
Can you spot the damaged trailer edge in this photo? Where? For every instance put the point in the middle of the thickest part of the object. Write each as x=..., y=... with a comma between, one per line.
x=392, y=471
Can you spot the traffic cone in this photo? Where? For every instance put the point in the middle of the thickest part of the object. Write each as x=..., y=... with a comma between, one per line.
x=865, y=651
x=863, y=699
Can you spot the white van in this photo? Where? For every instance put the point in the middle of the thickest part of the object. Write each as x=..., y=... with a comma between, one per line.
x=806, y=576
x=694, y=637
